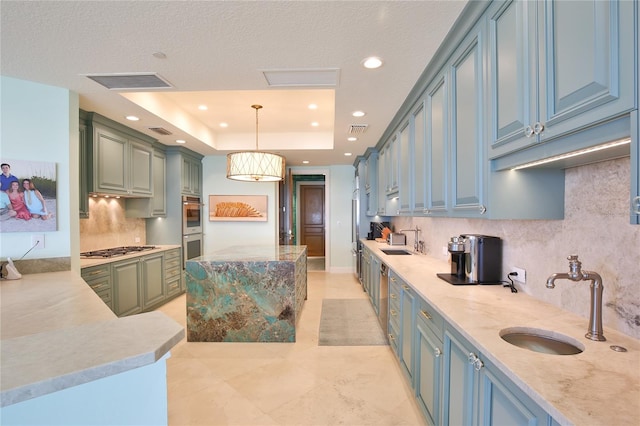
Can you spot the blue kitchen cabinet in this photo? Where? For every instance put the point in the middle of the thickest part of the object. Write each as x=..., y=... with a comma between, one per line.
x=392, y=168
x=477, y=392
x=418, y=160
x=371, y=182
x=374, y=286
x=437, y=128
x=405, y=168
x=394, y=312
x=191, y=175
x=381, y=198
x=154, y=290
x=428, y=368
x=404, y=320
x=556, y=67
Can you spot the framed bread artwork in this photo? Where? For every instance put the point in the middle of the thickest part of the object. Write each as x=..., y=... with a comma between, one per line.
x=238, y=208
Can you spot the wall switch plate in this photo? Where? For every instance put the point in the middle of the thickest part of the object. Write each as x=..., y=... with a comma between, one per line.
x=522, y=275
x=136, y=240
x=37, y=241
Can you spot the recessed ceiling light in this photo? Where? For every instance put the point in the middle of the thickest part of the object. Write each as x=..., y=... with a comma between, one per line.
x=180, y=141
x=305, y=161
x=132, y=118
x=358, y=113
x=372, y=62
x=203, y=107
x=352, y=139
x=315, y=124
x=313, y=106
x=347, y=154
x=224, y=124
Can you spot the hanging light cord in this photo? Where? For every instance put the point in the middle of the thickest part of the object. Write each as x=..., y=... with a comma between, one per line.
x=256, y=107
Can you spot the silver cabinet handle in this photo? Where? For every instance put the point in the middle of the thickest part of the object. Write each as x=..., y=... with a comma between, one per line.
x=475, y=361
x=483, y=209
x=437, y=352
x=528, y=131
x=538, y=128
x=636, y=205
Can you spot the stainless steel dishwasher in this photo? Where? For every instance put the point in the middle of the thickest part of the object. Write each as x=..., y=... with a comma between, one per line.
x=383, y=311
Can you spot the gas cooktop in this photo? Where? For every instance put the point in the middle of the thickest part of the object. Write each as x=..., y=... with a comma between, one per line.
x=115, y=251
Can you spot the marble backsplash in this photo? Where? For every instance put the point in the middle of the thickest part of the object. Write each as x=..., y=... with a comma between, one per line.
x=108, y=226
x=596, y=228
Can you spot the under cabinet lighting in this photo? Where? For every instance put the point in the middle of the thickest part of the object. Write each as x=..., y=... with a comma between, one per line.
x=574, y=153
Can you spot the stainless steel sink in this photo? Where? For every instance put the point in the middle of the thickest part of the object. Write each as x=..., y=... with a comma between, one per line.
x=395, y=252
x=543, y=341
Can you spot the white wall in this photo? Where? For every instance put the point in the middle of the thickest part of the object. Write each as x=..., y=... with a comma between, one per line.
x=40, y=123
x=218, y=235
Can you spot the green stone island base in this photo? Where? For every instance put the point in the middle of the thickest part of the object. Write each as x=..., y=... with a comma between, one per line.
x=246, y=294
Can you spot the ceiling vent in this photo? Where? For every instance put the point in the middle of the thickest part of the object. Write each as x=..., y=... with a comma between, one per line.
x=130, y=81
x=357, y=129
x=160, y=130
x=323, y=77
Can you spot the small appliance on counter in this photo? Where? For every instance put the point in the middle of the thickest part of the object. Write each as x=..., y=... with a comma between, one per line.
x=397, y=239
x=375, y=229
x=475, y=259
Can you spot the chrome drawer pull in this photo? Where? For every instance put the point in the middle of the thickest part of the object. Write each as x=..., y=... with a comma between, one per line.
x=425, y=314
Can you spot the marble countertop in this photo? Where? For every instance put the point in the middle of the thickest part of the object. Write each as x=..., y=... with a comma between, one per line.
x=596, y=387
x=57, y=333
x=85, y=263
x=254, y=254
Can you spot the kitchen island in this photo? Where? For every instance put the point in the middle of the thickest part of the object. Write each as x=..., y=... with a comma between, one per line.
x=246, y=294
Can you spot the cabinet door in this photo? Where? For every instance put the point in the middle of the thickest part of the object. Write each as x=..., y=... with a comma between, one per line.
x=459, y=381
x=111, y=162
x=466, y=129
x=126, y=286
x=141, y=173
x=84, y=191
x=499, y=405
x=153, y=286
x=392, y=167
x=196, y=177
x=586, y=64
x=428, y=371
x=513, y=87
x=159, y=200
x=419, y=160
x=437, y=147
x=382, y=182
x=405, y=169
x=375, y=284
x=407, y=318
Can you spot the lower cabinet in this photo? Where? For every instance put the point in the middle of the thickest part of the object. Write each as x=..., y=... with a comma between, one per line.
x=454, y=384
x=137, y=284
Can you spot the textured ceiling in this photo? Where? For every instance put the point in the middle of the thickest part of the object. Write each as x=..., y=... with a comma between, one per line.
x=215, y=54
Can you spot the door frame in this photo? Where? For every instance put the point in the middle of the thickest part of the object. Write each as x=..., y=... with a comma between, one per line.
x=327, y=207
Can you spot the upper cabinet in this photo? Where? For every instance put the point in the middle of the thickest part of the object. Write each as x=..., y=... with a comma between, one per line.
x=191, y=176
x=556, y=67
x=120, y=159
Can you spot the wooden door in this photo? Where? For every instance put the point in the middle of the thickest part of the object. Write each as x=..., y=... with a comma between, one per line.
x=312, y=219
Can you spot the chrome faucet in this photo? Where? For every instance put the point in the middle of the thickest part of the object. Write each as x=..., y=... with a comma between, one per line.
x=577, y=274
x=416, y=239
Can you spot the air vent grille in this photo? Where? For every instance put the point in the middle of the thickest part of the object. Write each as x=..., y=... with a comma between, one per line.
x=130, y=81
x=160, y=130
x=357, y=129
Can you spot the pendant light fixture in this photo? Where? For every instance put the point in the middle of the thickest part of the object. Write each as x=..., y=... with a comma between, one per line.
x=255, y=166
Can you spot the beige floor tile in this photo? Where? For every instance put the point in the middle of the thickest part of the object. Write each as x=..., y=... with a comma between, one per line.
x=297, y=383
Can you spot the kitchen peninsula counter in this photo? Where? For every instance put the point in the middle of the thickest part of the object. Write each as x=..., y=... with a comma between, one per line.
x=246, y=294
x=596, y=387
x=57, y=334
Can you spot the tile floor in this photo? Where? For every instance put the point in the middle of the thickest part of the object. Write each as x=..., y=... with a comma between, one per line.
x=297, y=383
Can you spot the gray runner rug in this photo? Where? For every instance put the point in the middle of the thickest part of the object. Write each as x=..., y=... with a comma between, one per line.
x=349, y=322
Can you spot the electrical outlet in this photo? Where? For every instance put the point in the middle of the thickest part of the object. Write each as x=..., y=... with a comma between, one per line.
x=37, y=241
x=522, y=275
x=136, y=240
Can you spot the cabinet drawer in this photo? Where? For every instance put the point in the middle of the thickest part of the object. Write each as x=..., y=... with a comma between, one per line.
x=431, y=318
x=95, y=272
x=172, y=254
x=99, y=285
x=172, y=263
x=394, y=335
x=171, y=273
x=173, y=286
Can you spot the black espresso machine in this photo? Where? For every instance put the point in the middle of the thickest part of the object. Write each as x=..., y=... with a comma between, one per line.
x=475, y=259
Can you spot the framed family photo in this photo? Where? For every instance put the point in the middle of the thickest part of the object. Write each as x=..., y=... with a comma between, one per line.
x=28, y=196
x=239, y=208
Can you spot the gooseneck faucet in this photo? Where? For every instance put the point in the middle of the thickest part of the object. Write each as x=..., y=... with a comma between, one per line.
x=416, y=239
x=577, y=274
